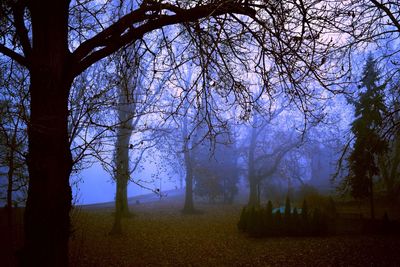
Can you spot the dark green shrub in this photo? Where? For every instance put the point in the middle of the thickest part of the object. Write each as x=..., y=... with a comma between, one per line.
x=287, y=216
x=295, y=214
x=262, y=221
x=278, y=228
x=295, y=227
x=269, y=209
x=251, y=221
x=268, y=224
x=304, y=211
x=255, y=225
x=287, y=209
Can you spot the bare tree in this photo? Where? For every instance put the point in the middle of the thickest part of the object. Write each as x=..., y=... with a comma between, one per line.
x=13, y=142
x=281, y=41
x=138, y=91
x=263, y=158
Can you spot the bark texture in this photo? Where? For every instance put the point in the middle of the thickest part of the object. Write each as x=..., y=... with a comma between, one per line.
x=47, y=222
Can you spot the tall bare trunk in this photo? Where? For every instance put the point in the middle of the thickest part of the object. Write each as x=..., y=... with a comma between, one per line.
x=188, y=206
x=126, y=111
x=122, y=180
x=122, y=177
x=47, y=222
x=253, y=183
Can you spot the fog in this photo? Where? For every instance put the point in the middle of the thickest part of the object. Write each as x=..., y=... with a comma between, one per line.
x=186, y=129
x=94, y=185
x=287, y=154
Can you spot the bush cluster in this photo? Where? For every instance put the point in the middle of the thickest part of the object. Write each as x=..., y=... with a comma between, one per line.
x=262, y=221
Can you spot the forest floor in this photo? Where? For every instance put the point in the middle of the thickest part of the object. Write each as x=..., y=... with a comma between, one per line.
x=159, y=235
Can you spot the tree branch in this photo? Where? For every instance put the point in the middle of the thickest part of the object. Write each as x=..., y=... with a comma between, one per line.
x=14, y=55
x=18, y=12
x=388, y=12
x=123, y=32
x=266, y=172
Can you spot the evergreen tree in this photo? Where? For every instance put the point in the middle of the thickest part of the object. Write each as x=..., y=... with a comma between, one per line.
x=304, y=218
x=287, y=208
x=278, y=227
x=269, y=209
x=304, y=211
x=368, y=145
x=287, y=215
x=294, y=225
x=269, y=218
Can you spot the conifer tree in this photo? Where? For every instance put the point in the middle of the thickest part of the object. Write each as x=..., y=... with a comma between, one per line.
x=287, y=215
x=269, y=218
x=304, y=211
x=287, y=208
x=368, y=145
x=295, y=222
x=304, y=218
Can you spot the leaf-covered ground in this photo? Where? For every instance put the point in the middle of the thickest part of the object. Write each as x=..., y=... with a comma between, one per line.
x=159, y=235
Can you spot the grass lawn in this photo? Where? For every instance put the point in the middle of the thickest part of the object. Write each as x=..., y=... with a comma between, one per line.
x=159, y=235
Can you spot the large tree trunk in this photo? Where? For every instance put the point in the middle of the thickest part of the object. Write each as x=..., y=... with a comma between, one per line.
x=9, y=238
x=47, y=222
x=10, y=175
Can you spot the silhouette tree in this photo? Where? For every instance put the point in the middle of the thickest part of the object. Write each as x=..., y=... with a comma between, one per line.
x=368, y=145
x=14, y=101
x=58, y=40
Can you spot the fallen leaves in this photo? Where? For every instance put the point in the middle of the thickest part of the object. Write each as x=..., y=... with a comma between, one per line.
x=161, y=236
